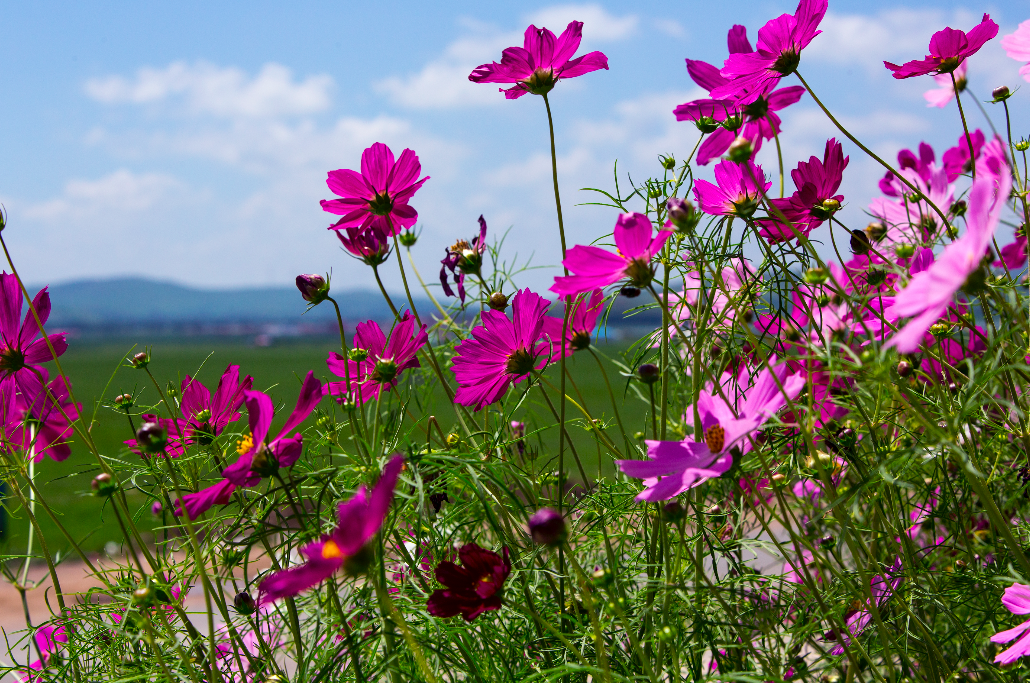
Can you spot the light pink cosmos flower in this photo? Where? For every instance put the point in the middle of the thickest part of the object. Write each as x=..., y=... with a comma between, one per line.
x=948, y=49
x=378, y=196
x=501, y=352
x=1017, y=46
x=541, y=63
x=737, y=192
x=582, y=321
x=930, y=293
x=912, y=222
x=780, y=43
x=1016, y=599
x=677, y=466
x=593, y=267
x=383, y=365
x=229, y=655
x=48, y=639
x=359, y=520
x=945, y=90
x=732, y=288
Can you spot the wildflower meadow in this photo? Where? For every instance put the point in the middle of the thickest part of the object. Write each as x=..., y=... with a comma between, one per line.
x=828, y=478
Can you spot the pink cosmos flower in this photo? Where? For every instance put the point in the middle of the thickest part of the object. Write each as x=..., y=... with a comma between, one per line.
x=923, y=165
x=19, y=347
x=882, y=588
x=359, y=520
x=501, y=352
x=1013, y=255
x=259, y=456
x=593, y=267
x=930, y=292
x=948, y=49
x=677, y=466
x=756, y=121
x=203, y=417
x=814, y=201
x=228, y=653
x=1016, y=599
x=378, y=196
x=382, y=367
x=541, y=63
x=368, y=244
x=582, y=321
x=1017, y=46
x=956, y=159
x=30, y=421
x=48, y=639
x=912, y=222
x=737, y=192
x=780, y=43
x=945, y=90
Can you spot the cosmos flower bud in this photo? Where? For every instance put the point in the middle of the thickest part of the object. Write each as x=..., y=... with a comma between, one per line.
x=103, y=485
x=1022, y=145
x=816, y=276
x=408, y=238
x=648, y=373
x=1001, y=93
x=740, y=150
x=733, y=123
x=357, y=354
x=244, y=603
x=140, y=360
x=706, y=124
x=830, y=205
x=905, y=250
x=673, y=511
x=498, y=302
x=452, y=440
x=682, y=214
x=152, y=437
x=876, y=231
x=958, y=208
x=547, y=527
x=668, y=162
x=313, y=288
x=630, y=292
x=859, y=242
x=156, y=509
x=124, y=401
x=142, y=595
x=904, y=368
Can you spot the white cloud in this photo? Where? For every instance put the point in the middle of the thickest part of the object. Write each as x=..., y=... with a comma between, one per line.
x=670, y=27
x=598, y=25
x=122, y=192
x=220, y=91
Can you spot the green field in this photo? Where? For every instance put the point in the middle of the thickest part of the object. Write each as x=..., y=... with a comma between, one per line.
x=98, y=374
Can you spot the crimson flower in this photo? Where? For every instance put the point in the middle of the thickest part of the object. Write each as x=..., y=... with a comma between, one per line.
x=259, y=456
x=780, y=42
x=463, y=258
x=359, y=520
x=582, y=322
x=368, y=244
x=593, y=267
x=384, y=361
x=948, y=49
x=814, y=202
x=737, y=192
x=1016, y=599
x=378, y=196
x=541, y=63
x=472, y=589
x=19, y=347
x=501, y=352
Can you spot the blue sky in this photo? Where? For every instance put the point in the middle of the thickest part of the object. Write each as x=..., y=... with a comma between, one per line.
x=190, y=141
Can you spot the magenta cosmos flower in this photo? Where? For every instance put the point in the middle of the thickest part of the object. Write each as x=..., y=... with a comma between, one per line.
x=737, y=192
x=386, y=359
x=49, y=639
x=1016, y=599
x=31, y=420
x=19, y=346
x=378, y=196
x=780, y=42
x=1017, y=46
x=677, y=466
x=259, y=456
x=582, y=321
x=501, y=352
x=593, y=267
x=948, y=49
x=817, y=181
x=368, y=244
x=472, y=589
x=359, y=520
x=463, y=258
x=541, y=62
x=930, y=292
x=882, y=587
x=946, y=89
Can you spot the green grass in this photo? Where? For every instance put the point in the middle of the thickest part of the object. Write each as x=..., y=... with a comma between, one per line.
x=98, y=374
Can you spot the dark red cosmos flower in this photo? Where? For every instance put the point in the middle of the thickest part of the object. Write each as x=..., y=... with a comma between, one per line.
x=473, y=588
x=948, y=49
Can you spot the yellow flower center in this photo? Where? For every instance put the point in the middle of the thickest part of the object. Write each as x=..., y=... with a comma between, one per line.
x=245, y=444
x=331, y=551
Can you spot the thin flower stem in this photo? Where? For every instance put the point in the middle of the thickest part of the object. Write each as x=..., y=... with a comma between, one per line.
x=965, y=127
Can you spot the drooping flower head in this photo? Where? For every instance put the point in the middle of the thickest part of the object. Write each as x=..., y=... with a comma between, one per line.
x=359, y=520
x=582, y=321
x=882, y=587
x=463, y=258
x=384, y=361
x=19, y=346
x=780, y=42
x=1016, y=599
x=472, y=588
x=677, y=466
x=737, y=191
x=501, y=352
x=541, y=62
x=259, y=455
x=817, y=181
x=593, y=267
x=368, y=244
x=1017, y=47
x=946, y=89
x=948, y=49
x=378, y=196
